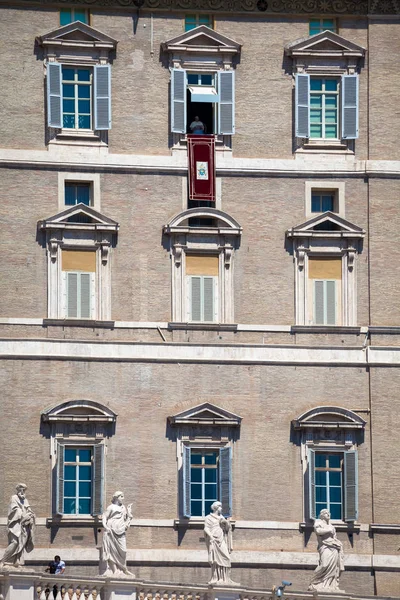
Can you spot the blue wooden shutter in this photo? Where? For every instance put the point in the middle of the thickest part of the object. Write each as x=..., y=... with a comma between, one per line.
x=226, y=104
x=54, y=95
x=98, y=479
x=195, y=299
x=72, y=295
x=85, y=296
x=330, y=298
x=319, y=297
x=302, y=99
x=208, y=298
x=350, y=107
x=60, y=478
x=186, y=481
x=102, y=97
x=225, y=480
x=178, y=100
x=350, y=486
x=311, y=484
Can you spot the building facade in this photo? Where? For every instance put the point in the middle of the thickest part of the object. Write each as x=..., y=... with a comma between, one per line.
x=240, y=344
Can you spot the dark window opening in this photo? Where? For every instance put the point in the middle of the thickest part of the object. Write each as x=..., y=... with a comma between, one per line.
x=201, y=221
x=203, y=110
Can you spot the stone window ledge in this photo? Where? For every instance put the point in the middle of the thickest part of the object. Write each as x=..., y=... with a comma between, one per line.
x=339, y=329
x=204, y=326
x=323, y=147
x=92, y=323
x=339, y=526
x=194, y=523
x=385, y=528
x=73, y=521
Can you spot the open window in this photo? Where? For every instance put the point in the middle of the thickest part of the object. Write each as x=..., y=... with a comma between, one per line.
x=202, y=245
x=205, y=441
x=325, y=250
x=78, y=431
x=325, y=68
x=78, y=242
x=78, y=80
x=330, y=437
x=202, y=82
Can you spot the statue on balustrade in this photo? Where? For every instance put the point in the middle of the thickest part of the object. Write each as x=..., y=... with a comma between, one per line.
x=116, y=520
x=218, y=534
x=326, y=576
x=20, y=524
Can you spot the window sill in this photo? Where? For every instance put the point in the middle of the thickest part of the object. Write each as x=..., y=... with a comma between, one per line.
x=340, y=329
x=194, y=523
x=73, y=521
x=92, y=323
x=339, y=526
x=324, y=146
x=73, y=137
x=384, y=528
x=203, y=326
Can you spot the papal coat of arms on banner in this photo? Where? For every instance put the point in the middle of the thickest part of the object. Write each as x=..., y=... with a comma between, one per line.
x=201, y=170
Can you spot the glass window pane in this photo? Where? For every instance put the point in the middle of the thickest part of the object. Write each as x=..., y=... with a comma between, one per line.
x=85, y=489
x=319, y=506
x=69, y=506
x=69, y=106
x=335, y=478
x=210, y=475
x=195, y=458
x=81, y=15
x=83, y=91
x=334, y=461
x=65, y=16
x=83, y=75
x=315, y=84
x=208, y=506
x=316, y=101
x=84, y=122
x=211, y=492
x=85, y=473
x=70, y=473
x=69, y=489
x=69, y=121
x=316, y=131
x=83, y=195
x=68, y=90
x=328, y=24
x=210, y=459
x=84, y=107
x=330, y=131
x=327, y=204
x=70, y=455
x=315, y=203
x=84, y=507
x=335, y=494
x=192, y=78
x=320, y=460
x=68, y=74
x=195, y=491
x=196, y=508
x=320, y=494
x=206, y=79
x=315, y=117
x=336, y=511
x=331, y=85
x=320, y=478
x=85, y=454
x=195, y=475
x=314, y=30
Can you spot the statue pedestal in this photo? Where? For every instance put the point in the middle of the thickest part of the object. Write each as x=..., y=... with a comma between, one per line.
x=119, y=589
x=18, y=584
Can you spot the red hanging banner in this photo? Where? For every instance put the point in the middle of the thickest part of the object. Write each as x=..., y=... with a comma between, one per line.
x=201, y=150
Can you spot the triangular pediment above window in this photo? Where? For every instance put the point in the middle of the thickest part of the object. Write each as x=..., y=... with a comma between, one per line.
x=325, y=43
x=326, y=225
x=206, y=414
x=77, y=34
x=79, y=216
x=201, y=39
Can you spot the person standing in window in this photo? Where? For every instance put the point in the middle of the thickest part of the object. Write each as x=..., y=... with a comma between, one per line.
x=326, y=575
x=57, y=566
x=197, y=127
x=218, y=534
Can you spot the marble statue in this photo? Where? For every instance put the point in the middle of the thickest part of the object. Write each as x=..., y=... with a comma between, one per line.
x=20, y=524
x=218, y=534
x=116, y=520
x=326, y=575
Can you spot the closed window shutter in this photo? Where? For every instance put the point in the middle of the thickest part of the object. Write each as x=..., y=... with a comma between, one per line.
x=85, y=296
x=72, y=295
x=350, y=486
x=330, y=287
x=98, y=479
x=102, y=97
x=302, y=100
x=319, y=303
x=226, y=105
x=186, y=481
x=195, y=298
x=178, y=101
x=350, y=107
x=208, y=298
x=225, y=480
x=54, y=95
x=60, y=478
x=311, y=484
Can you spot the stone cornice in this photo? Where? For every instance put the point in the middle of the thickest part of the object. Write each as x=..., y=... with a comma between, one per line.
x=308, y=7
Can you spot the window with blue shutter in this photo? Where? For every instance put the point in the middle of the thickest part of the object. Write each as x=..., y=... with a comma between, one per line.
x=333, y=484
x=207, y=477
x=54, y=95
x=178, y=100
x=102, y=97
x=350, y=107
x=302, y=105
x=70, y=15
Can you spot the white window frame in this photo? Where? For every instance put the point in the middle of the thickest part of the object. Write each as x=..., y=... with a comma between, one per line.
x=338, y=188
x=73, y=19
x=76, y=84
x=322, y=94
x=321, y=24
x=197, y=15
x=70, y=177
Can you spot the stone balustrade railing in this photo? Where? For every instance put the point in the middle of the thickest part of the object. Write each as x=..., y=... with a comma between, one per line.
x=60, y=588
